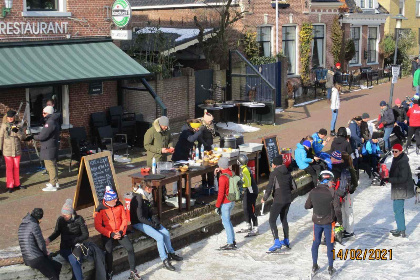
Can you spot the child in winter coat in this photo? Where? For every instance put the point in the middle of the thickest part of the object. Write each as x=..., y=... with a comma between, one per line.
x=111, y=222
x=370, y=153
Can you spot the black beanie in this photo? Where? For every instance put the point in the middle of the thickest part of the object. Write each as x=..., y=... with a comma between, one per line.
x=278, y=160
x=37, y=213
x=11, y=113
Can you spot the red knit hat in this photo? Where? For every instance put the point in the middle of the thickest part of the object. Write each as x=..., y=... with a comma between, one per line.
x=398, y=147
x=338, y=64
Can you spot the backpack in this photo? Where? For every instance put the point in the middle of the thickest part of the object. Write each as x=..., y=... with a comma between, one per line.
x=344, y=185
x=235, y=187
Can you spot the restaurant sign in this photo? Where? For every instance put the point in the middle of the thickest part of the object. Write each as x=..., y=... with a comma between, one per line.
x=33, y=28
x=121, y=13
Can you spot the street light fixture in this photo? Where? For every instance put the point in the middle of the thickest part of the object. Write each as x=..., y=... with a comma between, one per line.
x=7, y=7
x=399, y=19
x=282, y=4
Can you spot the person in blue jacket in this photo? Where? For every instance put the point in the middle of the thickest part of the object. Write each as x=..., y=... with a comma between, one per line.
x=305, y=163
x=370, y=153
x=319, y=140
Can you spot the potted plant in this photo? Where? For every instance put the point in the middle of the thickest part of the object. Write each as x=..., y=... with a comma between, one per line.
x=290, y=94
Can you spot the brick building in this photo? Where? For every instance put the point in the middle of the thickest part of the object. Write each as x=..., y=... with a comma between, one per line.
x=61, y=50
x=364, y=22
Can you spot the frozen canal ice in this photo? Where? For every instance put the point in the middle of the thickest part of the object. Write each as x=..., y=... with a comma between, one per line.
x=373, y=219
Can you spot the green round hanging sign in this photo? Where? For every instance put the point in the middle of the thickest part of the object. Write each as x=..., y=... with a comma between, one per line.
x=121, y=13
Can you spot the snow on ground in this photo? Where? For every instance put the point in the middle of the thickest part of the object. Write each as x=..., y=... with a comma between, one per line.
x=308, y=102
x=234, y=127
x=373, y=219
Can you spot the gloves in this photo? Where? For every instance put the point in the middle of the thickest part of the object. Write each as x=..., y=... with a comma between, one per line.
x=218, y=211
x=15, y=129
x=112, y=235
x=335, y=111
x=29, y=137
x=155, y=225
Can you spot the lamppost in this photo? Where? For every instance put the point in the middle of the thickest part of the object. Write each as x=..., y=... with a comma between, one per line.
x=399, y=19
x=282, y=5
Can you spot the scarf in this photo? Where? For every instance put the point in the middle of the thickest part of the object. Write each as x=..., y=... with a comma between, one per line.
x=210, y=127
x=145, y=195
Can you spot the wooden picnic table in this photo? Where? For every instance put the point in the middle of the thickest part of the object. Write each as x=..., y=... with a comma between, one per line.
x=177, y=176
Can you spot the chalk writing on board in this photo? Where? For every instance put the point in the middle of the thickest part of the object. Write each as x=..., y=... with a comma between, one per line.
x=101, y=175
x=272, y=149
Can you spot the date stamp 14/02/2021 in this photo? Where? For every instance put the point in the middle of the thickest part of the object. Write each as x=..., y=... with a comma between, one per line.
x=362, y=254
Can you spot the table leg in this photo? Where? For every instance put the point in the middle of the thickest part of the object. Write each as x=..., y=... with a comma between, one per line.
x=239, y=114
x=245, y=120
x=188, y=191
x=180, y=194
x=159, y=201
x=133, y=183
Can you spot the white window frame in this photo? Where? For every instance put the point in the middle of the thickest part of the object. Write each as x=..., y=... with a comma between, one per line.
x=370, y=4
x=363, y=3
x=360, y=46
x=271, y=36
x=297, y=72
x=378, y=39
x=62, y=11
x=417, y=8
x=324, y=43
x=403, y=8
x=65, y=106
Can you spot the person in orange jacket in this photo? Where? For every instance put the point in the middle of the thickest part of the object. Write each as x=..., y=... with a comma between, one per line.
x=111, y=222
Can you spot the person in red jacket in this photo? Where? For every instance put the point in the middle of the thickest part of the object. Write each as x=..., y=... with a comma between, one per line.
x=223, y=205
x=413, y=115
x=111, y=222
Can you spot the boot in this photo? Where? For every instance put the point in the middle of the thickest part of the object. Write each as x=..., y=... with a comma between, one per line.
x=332, y=133
x=399, y=233
x=277, y=245
x=167, y=264
x=286, y=242
x=331, y=270
x=174, y=257
x=315, y=268
x=228, y=247
x=247, y=229
x=134, y=275
x=393, y=231
x=254, y=231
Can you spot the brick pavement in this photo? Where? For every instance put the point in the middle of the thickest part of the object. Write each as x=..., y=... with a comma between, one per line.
x=291, y=126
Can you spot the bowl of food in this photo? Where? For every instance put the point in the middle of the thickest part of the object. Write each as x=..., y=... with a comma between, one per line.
x=183, y=168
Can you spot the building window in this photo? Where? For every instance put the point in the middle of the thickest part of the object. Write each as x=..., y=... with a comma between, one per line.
x=362, y=4
x=318, y=46
x=402, y=7
x=264, y=38
x=289, y=47
x=372, y=44
x=42, y=5
x=355, y=36
x=370, y=4
x=38, y=98
x=45, y=8
x=417, y=8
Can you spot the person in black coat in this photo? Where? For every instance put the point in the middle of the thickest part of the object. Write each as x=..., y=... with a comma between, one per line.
x=364, y=127
x=142, y=219
x=340, y=143
x=49, y=138
x=73, y=231
x=33, y=247
x=206, y=139
x=280, y=186
x=402, y=186
x=191, y=131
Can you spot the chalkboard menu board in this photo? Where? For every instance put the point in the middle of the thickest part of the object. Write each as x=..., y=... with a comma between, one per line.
x=95, y=173
x=101, y=175
x=271, y=147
